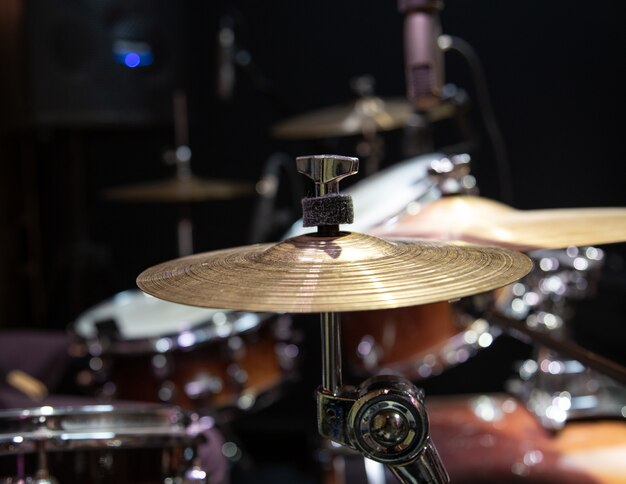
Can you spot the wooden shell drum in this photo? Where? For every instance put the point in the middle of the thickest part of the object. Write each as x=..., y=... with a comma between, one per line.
x=416, y=342
x=122, y=443
x=144, y=349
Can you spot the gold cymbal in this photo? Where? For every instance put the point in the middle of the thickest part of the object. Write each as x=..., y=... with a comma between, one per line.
x=368, y=113
x=181, y=189
x=346, y=272
x=480, y=220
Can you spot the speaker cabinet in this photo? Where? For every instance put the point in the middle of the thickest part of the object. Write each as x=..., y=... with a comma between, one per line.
x=95, y=62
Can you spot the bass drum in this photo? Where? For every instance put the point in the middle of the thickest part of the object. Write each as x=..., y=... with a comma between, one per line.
x=142, y=348
x=122, y=443
x=494, y=439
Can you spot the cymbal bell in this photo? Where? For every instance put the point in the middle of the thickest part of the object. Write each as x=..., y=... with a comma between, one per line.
x=479, y=220
x=181, y=189
x=345, y=272
x=365, y=114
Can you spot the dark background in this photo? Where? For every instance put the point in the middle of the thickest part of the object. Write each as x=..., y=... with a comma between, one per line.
x=74, y=123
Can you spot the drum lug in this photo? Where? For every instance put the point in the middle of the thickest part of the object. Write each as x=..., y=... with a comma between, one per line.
x=452, y=175
x=195, y=475
x=287, y=354
x=369, y=352
x=236, y=348
x=167, y=391
x=237, y=375
x=204, y=385
x=282, y=328
x=108, y=390
x=161, y=366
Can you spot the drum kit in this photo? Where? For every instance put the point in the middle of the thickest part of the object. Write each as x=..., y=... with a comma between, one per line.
x=380, y=283
x=166, y=359
x=432, y=274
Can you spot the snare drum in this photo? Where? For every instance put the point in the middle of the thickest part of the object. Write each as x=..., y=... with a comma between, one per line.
x=145, y=349
x=494, y=439
x=122, y=443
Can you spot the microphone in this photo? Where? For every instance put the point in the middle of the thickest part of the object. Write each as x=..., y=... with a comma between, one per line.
x=423, y=57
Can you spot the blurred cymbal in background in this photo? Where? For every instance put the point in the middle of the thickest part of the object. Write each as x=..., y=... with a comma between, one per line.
x=181, y=190
x=365, y=114
x=480, y=220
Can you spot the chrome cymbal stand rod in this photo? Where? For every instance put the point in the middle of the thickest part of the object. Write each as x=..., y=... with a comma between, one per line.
x=184, y=232
x=182, y=158
x=331, y=352
x=385, y=417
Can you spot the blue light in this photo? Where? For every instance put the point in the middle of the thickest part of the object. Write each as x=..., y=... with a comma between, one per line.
x=132, y=59
x=132, y=53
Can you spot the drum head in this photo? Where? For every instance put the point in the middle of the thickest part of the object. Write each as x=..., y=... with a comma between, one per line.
x=134, y=322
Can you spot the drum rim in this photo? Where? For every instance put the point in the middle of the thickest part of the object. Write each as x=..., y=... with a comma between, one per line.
x=64, y=427
x=193, y=337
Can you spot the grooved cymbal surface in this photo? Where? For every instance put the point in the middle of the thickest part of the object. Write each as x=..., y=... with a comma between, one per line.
x=347, y=272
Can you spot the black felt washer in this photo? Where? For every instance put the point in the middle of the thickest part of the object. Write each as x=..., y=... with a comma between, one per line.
x=331, y=209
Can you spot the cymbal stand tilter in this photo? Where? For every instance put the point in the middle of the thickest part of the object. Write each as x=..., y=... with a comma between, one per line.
x=384, y=418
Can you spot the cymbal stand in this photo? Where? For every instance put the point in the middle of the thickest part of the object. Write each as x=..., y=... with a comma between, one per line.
x=371, y=145
x=182, y=160
x=562, y=381
x=384, y=418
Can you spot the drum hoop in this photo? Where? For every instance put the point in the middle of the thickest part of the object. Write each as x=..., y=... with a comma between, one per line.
x=117, y=426
x=200, y=334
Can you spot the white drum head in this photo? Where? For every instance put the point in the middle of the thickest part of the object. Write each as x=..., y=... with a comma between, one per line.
x=136, y=316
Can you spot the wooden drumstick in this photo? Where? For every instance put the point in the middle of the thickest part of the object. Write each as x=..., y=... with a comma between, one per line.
x=25, y=383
